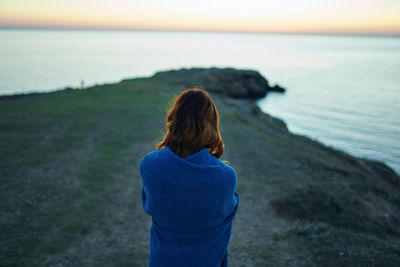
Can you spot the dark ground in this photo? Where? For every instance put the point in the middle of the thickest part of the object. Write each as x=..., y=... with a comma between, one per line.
x=70, y=187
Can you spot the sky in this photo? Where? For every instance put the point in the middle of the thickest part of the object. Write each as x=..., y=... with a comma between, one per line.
x=277, y=16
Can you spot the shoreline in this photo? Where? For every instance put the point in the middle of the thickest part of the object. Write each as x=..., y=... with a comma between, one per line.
x=255, y=109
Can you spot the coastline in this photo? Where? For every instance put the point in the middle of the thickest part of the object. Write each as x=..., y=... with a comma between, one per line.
x=70, y=165
x=250, y=105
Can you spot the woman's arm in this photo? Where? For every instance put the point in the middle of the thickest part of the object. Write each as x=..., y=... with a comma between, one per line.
x=145, y=203
x=232, y=197
x=145, y=196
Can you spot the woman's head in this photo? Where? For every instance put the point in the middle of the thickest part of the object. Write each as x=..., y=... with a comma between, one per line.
x=192, y=124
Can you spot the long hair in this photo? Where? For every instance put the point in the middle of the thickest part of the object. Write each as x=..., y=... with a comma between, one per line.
x=193, y=124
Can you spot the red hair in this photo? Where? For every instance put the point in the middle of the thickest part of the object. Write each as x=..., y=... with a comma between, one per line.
x=192, y=124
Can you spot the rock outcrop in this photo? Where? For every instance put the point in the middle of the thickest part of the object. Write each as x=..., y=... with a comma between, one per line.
x=228, y=81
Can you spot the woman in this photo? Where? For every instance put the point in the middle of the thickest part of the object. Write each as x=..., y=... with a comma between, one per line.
x=189, y=192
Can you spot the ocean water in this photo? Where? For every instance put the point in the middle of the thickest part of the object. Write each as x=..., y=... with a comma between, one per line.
x=341, y=90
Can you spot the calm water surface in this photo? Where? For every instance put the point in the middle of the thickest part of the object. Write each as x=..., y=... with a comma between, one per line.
x=342, y=91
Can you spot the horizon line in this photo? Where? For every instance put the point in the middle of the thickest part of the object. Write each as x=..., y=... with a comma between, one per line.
x=66, y=28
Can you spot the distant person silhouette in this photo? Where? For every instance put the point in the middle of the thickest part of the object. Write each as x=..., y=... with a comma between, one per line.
x=188, y=191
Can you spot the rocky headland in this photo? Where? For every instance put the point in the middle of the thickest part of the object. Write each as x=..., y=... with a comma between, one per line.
x=70, y=186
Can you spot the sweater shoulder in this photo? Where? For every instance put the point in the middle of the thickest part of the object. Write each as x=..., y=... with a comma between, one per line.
x=231, y=173
x=228, y=173
x=147, y=159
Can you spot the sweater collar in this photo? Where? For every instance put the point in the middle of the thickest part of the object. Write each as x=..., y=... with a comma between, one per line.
x=201, y=157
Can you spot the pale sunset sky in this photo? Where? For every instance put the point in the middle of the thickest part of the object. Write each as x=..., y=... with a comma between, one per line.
x=277, y=16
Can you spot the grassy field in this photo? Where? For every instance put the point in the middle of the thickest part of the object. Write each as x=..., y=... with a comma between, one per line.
x=70, y=187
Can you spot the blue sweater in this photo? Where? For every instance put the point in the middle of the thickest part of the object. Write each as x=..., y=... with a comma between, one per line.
x=192, y=202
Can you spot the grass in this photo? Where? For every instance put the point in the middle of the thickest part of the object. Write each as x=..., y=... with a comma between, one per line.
x=60, y=147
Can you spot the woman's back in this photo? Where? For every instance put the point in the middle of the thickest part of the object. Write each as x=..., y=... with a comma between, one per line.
x=192, y=201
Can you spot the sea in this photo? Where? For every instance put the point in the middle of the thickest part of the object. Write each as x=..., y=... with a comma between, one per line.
x=343, y=91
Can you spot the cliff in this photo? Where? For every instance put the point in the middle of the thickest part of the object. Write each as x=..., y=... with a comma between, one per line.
x=70, y=187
